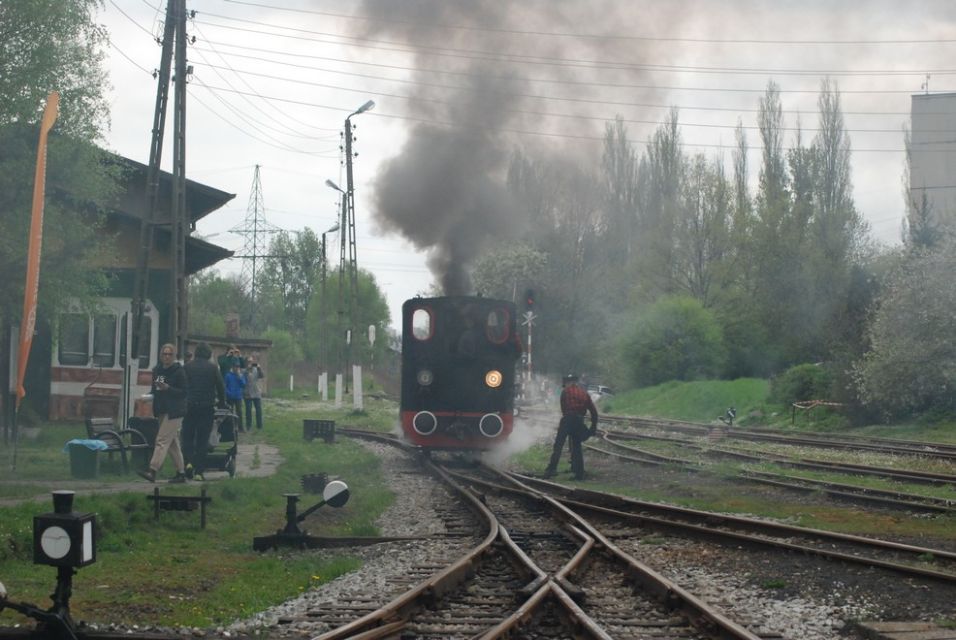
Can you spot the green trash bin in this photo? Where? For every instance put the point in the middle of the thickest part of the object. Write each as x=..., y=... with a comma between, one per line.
x=148, y=428
x=84, y=463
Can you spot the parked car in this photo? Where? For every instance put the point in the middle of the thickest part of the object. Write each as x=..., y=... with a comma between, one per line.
x=599, y=391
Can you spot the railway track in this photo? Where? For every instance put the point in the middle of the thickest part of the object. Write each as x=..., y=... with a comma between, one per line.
x=704, y=439
x=541, y=546
x=630, y=517
x=856, y=494
x=922, y=449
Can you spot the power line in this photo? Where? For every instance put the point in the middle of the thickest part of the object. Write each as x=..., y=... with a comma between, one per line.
x=566, y=136
x=682, y=107
x=255, y=106
x=603, y=36
x=133, y=62
x=278, y=143
x=472, y=55
x=246, y=132
x=130, y=18
x=272, y=76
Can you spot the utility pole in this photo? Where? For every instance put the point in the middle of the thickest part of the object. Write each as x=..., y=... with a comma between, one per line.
x=174, y=32
x=140, y=286
x=179, y=215
x=348, y=236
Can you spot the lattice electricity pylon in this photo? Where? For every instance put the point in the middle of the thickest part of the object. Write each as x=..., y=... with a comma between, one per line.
x=255, y=249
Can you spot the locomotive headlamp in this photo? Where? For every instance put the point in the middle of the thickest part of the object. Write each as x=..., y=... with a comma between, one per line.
x=494, y=379
x=64, y=538
x=425, y=377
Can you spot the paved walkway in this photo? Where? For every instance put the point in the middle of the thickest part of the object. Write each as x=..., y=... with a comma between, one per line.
x=247, y=466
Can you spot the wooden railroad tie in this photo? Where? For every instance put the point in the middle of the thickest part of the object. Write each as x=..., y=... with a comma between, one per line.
x=180, y=503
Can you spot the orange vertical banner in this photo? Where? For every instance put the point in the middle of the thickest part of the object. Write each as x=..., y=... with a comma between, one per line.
x=29, y=320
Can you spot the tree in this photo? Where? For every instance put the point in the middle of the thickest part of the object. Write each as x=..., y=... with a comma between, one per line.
x=922, y=228
x=283, y=353
x=911, y=364
x=44, y=46
x=48, y=45
x=676, y=338
x=702, y=242
x=507, y=271
x=371, y=309
x=289, y=278
x=211, y=297
x=619, y=164
x=661, y=174
x=52, y=45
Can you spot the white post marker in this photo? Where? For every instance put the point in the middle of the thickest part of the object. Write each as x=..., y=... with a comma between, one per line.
x=336, y=494
x=291, y=382
x=338, y=389
x=324, y=386
x=357, y=387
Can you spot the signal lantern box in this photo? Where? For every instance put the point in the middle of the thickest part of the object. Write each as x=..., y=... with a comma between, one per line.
x=64, y=538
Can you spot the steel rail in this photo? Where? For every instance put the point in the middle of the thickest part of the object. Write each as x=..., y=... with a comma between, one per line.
x=598, y=502
x=382, y=622
x=938, y=450
x=915, y=477
x=853, y=493
x=652, y=582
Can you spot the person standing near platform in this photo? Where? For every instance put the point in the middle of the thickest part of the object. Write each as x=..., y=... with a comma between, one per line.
x=235, y=382
x=169, y=407
x=252, y=393
x=205, y=392
x=575, y=402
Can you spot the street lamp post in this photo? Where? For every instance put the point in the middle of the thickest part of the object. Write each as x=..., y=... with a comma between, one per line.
x=343, y=226
x=348, y=235
x=324, y=333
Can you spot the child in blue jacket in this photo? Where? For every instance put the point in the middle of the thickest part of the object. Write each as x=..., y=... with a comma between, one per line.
x=235, y=383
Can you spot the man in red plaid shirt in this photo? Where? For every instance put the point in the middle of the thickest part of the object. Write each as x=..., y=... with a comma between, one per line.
x=575, y=402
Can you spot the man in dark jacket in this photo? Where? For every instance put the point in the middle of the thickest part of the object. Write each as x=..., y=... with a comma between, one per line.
x=205, y=392
x=575, y=402
x=169, y=406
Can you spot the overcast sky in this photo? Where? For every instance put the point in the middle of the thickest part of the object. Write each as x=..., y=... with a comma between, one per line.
x=458, y=84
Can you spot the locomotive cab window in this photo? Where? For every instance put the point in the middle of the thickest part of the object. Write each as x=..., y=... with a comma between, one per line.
x=422, y=324
x=496, y=326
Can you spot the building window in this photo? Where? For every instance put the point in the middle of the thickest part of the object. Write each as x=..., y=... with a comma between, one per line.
x=104, y=340
x=74, y=340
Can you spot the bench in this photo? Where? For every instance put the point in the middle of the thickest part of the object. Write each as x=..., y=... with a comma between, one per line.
x=121, y=440
x=180, y=503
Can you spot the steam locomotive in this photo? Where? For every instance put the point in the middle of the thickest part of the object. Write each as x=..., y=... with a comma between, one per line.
x=458, y=371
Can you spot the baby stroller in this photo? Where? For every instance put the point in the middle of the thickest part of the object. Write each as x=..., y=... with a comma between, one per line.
x=223, y=442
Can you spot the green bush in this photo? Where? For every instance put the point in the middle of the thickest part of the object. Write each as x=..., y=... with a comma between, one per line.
x=282, y=354
x=799, y=383
x=676, y=338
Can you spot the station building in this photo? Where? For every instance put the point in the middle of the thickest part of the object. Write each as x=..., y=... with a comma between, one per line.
x=78, y=361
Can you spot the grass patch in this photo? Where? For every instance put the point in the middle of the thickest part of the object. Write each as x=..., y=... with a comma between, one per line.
x=701, y=401
x=170, y=572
